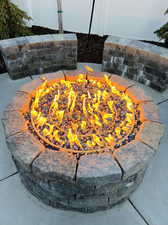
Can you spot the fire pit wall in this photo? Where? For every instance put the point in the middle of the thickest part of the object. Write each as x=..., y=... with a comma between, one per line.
x=136, y=60
x=31, y=55
x=86, y=182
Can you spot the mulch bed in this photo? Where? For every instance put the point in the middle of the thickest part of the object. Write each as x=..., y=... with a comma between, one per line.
x=90, y=51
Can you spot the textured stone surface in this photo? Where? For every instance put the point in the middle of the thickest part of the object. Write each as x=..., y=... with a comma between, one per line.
x=137, y=94
x=120, y=82
x=101, y=169
x=55, y=164
x=32, y=85
x=150, y=133
x=73, y=73
x=142, y=62
x=133, y=157
x=67, y=195
x=24, y=148
x=149, y=111
x=32, y=55
x=19, y=101
x=13, y=122
x=53, y=76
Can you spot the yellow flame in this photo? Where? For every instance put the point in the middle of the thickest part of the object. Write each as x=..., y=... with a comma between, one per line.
x=129, y=118
x=107, y=80
x=110, y=139
x=34, y=113
x=90, y=144
x=74, y=127
x=118, y=130
x=40, y=120
x=73, y=138
x=114, y=90
x=71, y=96
x=105, y=95
x=56, y=136
x=89, y=96
x=83, y=97
x=60, y=114
x=106, y=116
x=110, y=105
x=81, y=78
x=97, y=140
x=46, y=132
x=90, y=109
x=73, y=103
x=83, y=125
x=66, y=83
x=54, y=104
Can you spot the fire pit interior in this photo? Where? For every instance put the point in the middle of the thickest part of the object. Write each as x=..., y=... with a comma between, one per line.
x=83, y=114
x=81, y=140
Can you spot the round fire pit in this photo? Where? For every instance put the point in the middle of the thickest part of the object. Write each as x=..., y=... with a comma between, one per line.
x=82, y=140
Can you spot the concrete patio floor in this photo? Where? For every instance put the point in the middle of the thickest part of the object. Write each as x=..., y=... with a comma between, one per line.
x=148, y=205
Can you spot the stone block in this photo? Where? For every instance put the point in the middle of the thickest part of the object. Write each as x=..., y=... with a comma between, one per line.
x=19, y=102
x=13, y=122
x=133, y=157
x=96, y=170
x=137, y=94
x=150, y=133
x=24, y=147
x=149, y=111
x=55, y=165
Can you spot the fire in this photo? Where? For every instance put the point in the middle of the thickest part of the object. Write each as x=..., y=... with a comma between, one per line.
x=82, y=113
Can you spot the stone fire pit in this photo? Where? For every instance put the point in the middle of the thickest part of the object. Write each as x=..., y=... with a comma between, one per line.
x=85, y=179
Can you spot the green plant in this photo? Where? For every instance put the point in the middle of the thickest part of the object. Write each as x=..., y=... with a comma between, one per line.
x=162, y=33
x=12, y=20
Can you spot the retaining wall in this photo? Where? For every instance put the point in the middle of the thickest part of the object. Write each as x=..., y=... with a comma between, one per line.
x=32, y=55
x=136, y=60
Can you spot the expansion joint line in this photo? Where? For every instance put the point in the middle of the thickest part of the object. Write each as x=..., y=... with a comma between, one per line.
x=139, y=213
x=11, y=175
x=166, y=100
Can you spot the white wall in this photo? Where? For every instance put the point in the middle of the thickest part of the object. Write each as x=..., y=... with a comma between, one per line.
x=129, y=18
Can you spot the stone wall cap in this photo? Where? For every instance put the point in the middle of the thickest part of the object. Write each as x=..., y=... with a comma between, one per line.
x=137, y=44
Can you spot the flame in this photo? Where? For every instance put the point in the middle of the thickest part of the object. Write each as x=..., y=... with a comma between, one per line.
x=60, y=115
x=90, y=144
x=81, y=78
x=73, y=138
x=105, y=95
x=97, y=140
x=56, y=136
x=54, y=105
x=71, y=97
x=84, y=104
x=106, y=117
x=83, y=110
x=110, y=139
x=40, y=120
x=110, y=105
x=83, y=125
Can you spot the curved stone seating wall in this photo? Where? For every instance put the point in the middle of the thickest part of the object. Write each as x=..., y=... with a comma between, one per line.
x=136, y=60
x=32, y=55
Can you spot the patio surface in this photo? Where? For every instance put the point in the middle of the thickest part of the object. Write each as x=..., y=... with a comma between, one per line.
x=148, y=205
